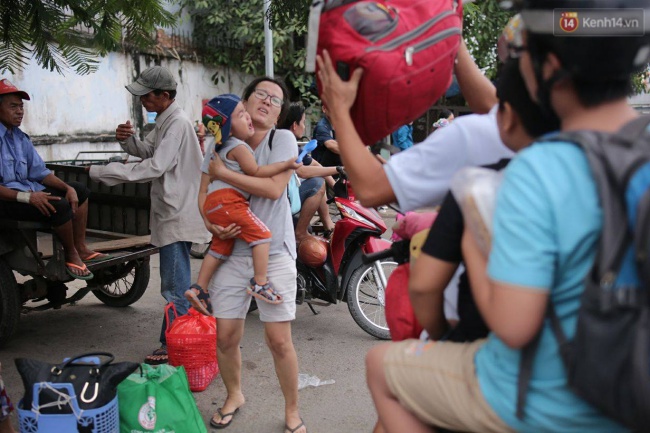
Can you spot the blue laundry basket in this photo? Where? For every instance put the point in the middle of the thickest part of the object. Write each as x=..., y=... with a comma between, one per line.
x=105, y=419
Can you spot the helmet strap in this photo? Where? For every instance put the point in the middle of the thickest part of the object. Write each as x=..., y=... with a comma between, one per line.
x=544, y=88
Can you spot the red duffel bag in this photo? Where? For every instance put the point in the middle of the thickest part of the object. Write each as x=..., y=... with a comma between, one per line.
x=406, y=48
x=400, y=316
x=192, y=343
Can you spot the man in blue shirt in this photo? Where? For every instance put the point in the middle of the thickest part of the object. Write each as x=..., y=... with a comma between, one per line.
x=29, y=191
x=403, y=136
x=327, y=152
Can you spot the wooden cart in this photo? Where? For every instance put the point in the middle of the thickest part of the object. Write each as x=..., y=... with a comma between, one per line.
x=33, y=276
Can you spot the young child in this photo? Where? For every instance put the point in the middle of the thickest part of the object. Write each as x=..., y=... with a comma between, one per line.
x=222, y=204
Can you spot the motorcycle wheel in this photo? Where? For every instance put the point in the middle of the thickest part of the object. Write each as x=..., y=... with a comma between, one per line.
x=366, y=298
x=131, y=282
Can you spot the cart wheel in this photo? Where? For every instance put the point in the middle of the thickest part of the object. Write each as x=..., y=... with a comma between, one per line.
x=122, y=285
x=9, y=303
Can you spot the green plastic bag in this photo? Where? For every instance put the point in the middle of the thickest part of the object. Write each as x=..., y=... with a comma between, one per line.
x=158, y=401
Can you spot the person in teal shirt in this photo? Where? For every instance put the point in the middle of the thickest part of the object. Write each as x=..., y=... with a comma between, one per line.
x=547, y=223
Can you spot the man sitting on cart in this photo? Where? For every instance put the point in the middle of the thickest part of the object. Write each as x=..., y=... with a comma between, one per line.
x=29, y=191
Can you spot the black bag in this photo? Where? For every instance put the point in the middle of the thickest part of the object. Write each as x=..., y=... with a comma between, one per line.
x=94, y=381
x=608, y=360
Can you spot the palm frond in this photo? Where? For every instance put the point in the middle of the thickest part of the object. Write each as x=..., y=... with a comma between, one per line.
x=74, y=34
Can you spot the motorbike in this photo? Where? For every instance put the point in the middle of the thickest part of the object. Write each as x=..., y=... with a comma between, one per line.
x=344, y=276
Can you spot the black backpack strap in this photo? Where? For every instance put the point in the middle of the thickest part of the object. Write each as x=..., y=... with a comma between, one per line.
x=271, y=148
x=528, y=357
x=556, y=326
x=642, y=238
x=525, y=373
x=611, y=169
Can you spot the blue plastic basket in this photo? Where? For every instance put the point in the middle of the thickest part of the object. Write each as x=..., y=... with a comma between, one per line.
x=105, y=419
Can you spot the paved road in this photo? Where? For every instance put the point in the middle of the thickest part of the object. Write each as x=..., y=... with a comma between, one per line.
x=329, y=345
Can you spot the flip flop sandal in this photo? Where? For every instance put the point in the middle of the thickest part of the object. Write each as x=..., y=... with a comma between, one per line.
x=218, y=426
x=295, y=429
x=157, y=357
x=96, y=257
x=264, y=293
x=86, y=277
x=199, y=299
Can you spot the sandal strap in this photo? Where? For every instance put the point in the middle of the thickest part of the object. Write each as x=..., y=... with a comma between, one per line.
x=223, y=415
x=267, y=290
x=295, y=429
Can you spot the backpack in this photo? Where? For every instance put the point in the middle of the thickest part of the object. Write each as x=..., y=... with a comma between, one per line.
x=608, y=360
x=407, y=49
x=293, y=187
x=293, y=193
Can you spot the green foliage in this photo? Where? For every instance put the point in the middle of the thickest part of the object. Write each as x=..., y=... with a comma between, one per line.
x=483, y=22
x=241, y=38
x=230, y=33
x=63, y=34
x=640, y=82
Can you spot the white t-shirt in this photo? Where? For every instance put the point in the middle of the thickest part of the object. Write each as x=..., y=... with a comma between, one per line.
x=421, y=174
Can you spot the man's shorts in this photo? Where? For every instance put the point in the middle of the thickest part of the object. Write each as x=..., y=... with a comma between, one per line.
x=309, y=187
x=63, y=211
x=228, y=289
x=437, y=382
x=226, y=206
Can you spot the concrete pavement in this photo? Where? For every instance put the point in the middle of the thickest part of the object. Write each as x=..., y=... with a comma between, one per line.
x=329, y=345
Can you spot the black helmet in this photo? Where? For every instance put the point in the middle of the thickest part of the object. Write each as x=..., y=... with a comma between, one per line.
x=602, y=52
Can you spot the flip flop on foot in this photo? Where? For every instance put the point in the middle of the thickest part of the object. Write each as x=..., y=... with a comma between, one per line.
x=157, y=357
x=96, y=257
x=199, y=299
x=222, y=415
x=264, y=293
x=296, y=428
x=86, y=275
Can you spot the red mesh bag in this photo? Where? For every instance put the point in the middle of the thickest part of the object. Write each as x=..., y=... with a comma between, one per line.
x=192, y=343
x=400, y=316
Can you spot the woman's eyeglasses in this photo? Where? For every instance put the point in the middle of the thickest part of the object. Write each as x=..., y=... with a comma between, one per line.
x=262, y=94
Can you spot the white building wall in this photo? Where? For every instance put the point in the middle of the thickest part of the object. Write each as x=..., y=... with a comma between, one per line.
x=73, y=113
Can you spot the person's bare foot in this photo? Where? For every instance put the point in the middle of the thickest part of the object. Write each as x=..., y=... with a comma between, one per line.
x=294, y=424
x=75, y=265
x=86, y=254
x=93, y=256
x=228, y=410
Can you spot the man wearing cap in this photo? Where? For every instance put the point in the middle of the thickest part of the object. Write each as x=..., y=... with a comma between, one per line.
x=29, y=191
x=171, y=160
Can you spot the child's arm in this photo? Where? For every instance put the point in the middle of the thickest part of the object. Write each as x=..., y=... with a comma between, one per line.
x=246, y=161
x=427, y=281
